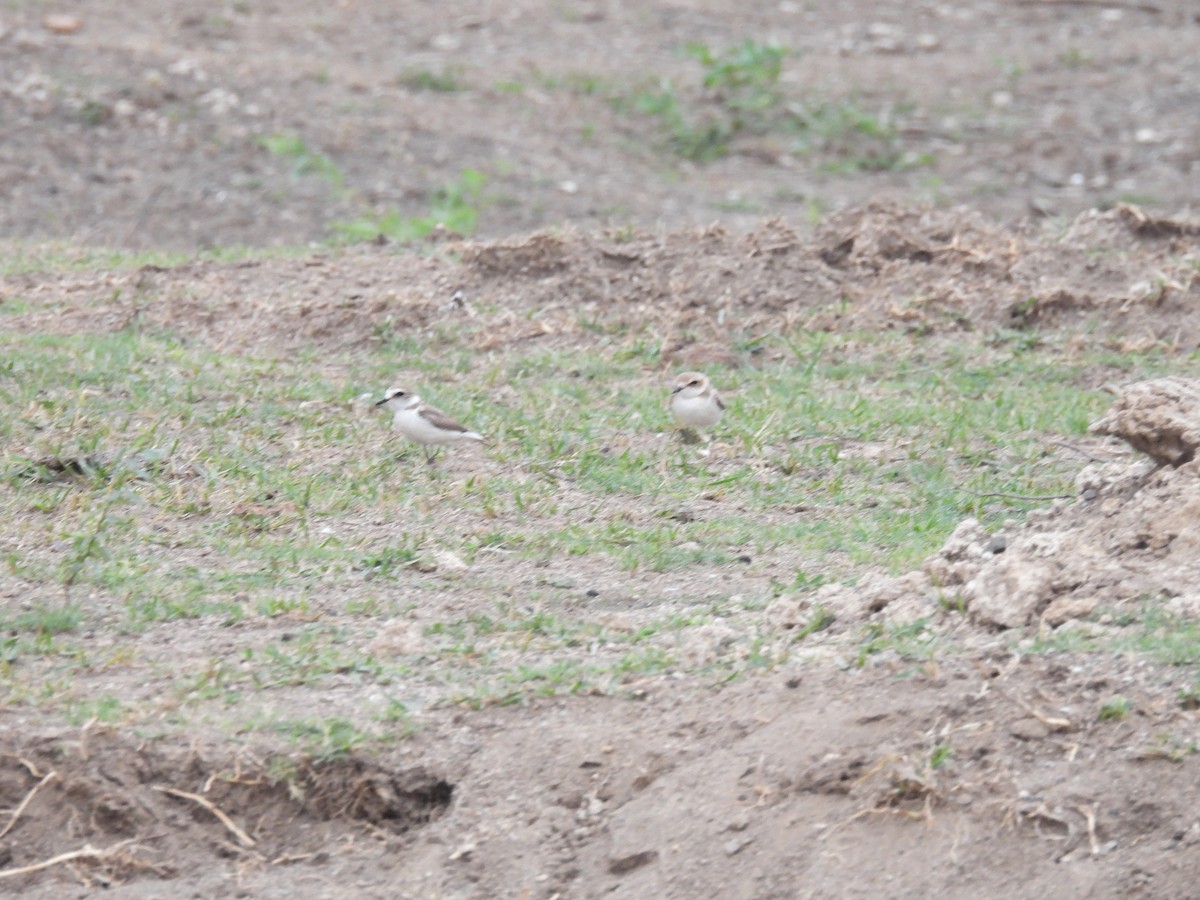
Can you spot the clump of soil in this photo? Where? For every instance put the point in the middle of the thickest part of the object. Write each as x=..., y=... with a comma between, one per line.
x=1126, y=539
x=1160, y=418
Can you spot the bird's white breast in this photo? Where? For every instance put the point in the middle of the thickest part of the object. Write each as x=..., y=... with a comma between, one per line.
x=695, y=412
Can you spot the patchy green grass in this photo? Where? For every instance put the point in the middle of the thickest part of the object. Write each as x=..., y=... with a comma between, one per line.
x=912, y=642
x=1145, y=632
x=848, y=138
x=258, y=507
x=738, y=92
x=304, y=160
x=23, y=256
x=454, y=207
x=445, y=81
x=1114, y=708
x=322, y=739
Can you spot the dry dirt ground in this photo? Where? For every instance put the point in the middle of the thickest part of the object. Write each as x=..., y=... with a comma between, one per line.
x=145, y=127
x=141, y=130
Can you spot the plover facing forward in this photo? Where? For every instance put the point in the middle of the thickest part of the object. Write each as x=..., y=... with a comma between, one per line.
x=695, y=403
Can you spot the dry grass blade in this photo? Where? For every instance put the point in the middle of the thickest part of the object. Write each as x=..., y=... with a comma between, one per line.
x=1089, y=814
x=1058, y=724
x=32, y=769
x=87, y=852
x=244, y=839
x=24, y=803
x=1030, y=498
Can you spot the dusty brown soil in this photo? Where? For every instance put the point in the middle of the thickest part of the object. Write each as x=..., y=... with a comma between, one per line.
x=141, y=130
x=808, y=783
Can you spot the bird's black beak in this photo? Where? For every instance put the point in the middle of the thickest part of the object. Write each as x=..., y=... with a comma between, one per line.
x=383, y=401
x=676, y=390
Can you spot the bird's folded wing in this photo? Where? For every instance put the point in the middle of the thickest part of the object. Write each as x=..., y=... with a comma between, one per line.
x=440, y=420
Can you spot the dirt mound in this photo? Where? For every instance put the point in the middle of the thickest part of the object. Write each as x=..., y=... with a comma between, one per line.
x=102, y=811
x=711, y=294
x=1127, y=538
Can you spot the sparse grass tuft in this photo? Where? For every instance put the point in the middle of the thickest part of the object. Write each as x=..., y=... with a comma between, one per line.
x=45, y=619
x=1189, y=697
x=107, y=710
x=454, y=208
x=740, y=93
x=323, y=740
x=305, y=161
x=1146, y=631
x=1114, y=708
x=940, y=756
x=915, y=641
x=447, y=81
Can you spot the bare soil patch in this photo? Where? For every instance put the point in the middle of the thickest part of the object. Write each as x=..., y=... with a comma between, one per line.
x=143, y=127
x=811, y=779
